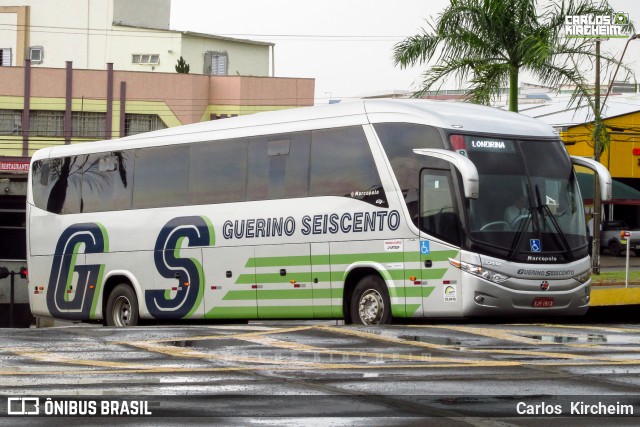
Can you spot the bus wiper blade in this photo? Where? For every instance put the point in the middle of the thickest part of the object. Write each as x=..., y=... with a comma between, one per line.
x=545, y=211
x=519, y=233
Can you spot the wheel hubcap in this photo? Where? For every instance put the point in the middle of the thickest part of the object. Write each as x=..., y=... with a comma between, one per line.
x=371, y=307
x=122, y=311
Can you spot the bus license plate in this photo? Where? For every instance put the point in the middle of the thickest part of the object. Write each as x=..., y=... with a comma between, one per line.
x=543, y=302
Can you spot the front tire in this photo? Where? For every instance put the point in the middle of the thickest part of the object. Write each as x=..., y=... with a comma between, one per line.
x=122, y=307
x=370, y=302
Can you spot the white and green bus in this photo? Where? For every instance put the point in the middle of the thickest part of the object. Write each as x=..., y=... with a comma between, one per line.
x=363, y=211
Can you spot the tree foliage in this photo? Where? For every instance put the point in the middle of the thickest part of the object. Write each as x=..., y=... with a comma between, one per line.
x=486, y=44
x=182, y=67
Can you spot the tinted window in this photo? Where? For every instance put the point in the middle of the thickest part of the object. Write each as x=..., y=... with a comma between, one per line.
x=279, y=166
x=161, y=176
x=218, y=172
x=341, y=163
x=107, y=182
x=57, y=184
x=399, y=141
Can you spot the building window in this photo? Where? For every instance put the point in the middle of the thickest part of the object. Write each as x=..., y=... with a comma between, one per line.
x=221, y=116
x=216, y=63
x=46, y=123
x=36, y=54
x=5, y=57
x=88, y=125
x=10, y=122
x=145, y=59
x=139, y=123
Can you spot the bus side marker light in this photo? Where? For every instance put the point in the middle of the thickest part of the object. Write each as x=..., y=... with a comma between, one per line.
x=186, y=283
x=92, y=287
x=413, y=278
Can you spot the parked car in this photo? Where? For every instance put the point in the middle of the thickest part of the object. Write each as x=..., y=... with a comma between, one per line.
x=610, y=238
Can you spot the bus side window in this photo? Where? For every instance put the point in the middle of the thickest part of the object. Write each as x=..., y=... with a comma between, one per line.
x=279, y=166
x=161, y=176
x=107, y=182
x=218, y=172
x=57, y=184
x=341, y=163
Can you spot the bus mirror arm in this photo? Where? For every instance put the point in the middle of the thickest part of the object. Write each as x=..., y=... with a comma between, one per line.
x=467, y=169
x=604, y=177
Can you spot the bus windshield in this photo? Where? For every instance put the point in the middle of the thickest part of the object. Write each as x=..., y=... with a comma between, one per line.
x=529, y=208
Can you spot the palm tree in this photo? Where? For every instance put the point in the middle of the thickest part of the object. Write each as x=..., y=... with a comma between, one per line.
x=487, y=43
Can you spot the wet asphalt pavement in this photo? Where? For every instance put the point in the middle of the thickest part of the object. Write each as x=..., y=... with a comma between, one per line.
x=321, y=373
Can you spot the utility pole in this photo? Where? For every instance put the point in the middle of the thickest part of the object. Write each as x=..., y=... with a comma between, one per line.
x=595, y=248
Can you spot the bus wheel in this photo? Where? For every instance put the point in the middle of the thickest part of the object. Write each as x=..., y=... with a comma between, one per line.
x=122, y=307
x=370, y=303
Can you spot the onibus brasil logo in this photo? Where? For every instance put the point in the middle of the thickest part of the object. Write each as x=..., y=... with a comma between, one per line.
x=596, y=26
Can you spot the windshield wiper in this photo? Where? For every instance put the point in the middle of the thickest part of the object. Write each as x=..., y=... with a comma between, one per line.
x=544, y=208
x=519, y=233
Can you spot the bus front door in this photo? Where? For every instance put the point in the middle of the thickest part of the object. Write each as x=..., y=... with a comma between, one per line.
x=440, y=237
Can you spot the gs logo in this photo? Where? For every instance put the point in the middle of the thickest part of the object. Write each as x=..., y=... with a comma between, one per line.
x=195, y=231
x=64, y=301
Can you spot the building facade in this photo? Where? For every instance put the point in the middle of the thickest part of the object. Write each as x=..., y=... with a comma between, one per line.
x=133, y=35
x=73, y=71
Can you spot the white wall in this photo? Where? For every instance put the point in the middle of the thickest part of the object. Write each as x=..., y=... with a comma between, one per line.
x=61, y=27
x=81, y=31
x=7, y=35
x=244, y=58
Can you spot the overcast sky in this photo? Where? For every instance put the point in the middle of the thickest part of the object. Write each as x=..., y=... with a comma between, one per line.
x=345, y=45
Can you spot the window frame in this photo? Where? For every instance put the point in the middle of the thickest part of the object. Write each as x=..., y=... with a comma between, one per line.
x=34, y=49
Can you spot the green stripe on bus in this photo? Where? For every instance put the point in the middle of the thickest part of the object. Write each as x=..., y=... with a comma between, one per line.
x=274, y=294
x=427, y=291
x=335, y=276
x=433, y=256
x=97, y=293
x=287, y=261
x=408, y=292
x=247, y=279
x=232, y=313
x=382, y=257
x=411, y=309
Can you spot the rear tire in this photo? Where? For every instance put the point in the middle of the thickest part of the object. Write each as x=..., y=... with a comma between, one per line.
x=614, y=248
x=122, y=307
x=370, y=302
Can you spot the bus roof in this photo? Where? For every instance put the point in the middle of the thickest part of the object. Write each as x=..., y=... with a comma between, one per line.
x=462, y=117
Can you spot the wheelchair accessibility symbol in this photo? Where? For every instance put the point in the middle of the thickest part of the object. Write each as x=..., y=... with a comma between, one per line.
x=535, y=245
x=424, y=247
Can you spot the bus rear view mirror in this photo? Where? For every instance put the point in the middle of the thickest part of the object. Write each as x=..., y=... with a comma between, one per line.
x=603, y=175
x=466, y=168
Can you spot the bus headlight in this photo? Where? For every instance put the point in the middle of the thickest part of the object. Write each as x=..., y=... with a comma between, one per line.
x=479, y=271
x=583, y=277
